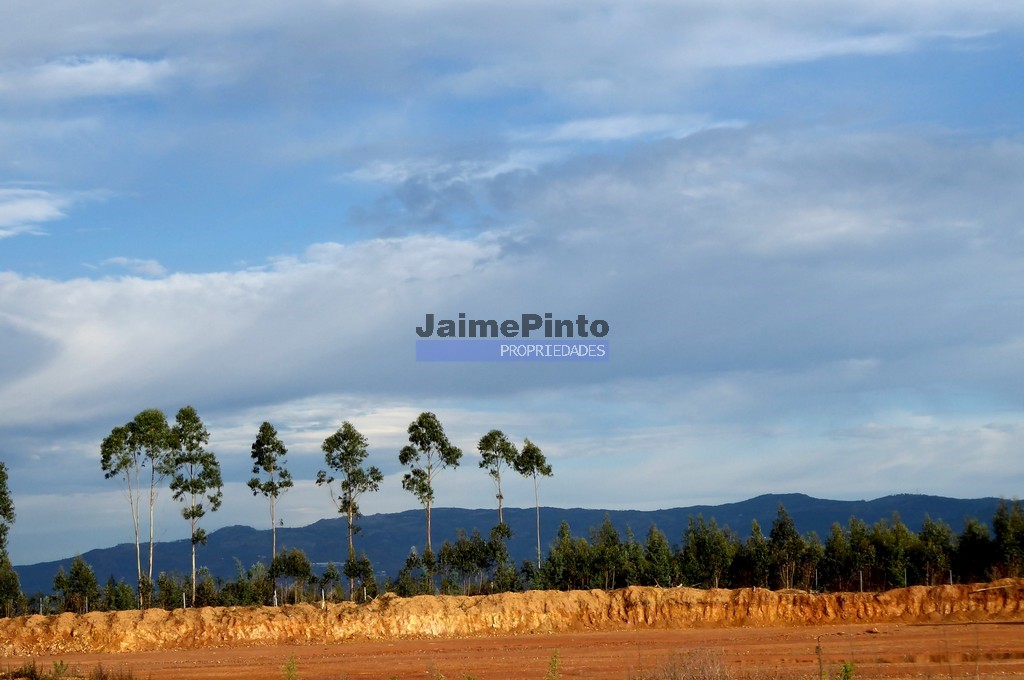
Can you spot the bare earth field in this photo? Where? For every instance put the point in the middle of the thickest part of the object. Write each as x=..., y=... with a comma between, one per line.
x=942, y=632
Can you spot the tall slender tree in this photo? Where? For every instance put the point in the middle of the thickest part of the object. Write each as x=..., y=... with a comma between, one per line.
x=268, y=453
x=427, y=453
x=119, y=460
x=496, y=454
x=531, y=463
x=10, y=584
x=145, y=442
x=196, y=478
x=6, y=509
x=786, y=545
x=344, y=452
x=149, y=433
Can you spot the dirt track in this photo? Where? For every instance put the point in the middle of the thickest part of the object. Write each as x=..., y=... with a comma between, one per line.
x=951, y=631
x=986, y=650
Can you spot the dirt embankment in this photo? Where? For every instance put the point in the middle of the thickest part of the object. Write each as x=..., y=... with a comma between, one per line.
x=390, y=617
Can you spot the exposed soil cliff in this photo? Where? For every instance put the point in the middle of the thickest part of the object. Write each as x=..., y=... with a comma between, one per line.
x=391, y=617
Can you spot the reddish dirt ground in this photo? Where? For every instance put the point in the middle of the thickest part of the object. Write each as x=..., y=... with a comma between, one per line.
x=937, y=650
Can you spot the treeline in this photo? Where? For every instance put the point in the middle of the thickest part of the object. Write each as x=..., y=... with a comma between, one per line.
x=853, y=557
x=148, y=452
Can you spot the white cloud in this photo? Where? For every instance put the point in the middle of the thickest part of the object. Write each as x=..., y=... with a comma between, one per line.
x=614, y=128
x=88, y=76
x=25, y=210
x=136, y=265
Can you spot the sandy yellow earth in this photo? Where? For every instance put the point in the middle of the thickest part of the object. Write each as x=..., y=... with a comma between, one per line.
x=952, y=631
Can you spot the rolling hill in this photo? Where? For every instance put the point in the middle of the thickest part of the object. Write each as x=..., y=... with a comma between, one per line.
x=387, y=538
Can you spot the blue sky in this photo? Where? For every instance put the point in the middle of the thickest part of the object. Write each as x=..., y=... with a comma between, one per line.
x=803, y=226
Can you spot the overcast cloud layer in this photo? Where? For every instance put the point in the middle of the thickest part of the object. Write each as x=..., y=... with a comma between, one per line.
x=802, y=225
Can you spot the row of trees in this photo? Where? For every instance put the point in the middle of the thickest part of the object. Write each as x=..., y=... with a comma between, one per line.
x=856, y=556
x=148, y=448
x=147, y=451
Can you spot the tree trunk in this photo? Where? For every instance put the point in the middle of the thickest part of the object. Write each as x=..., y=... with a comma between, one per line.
x=536, y=498
x=134, y=500
x=152, y=505
x=428, y=527
x=273, y=531
x=351, y=555
x=193, y=519
x=500, y=518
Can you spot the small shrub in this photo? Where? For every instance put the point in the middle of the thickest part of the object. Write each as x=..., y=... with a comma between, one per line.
x=100, y=673
x=290, y=669
x=552, y=673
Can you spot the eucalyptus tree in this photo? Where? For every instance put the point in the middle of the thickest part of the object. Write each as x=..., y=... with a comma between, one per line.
x=786, y=546
x=150, y=433
x=145, y=442
x=268, y=453
x=531, y=463
x=196, y=479
x=707, y=553
x=657, y=559
x=10, y=584
x=345, y=452
x=7, y=515
x=1008, y=527
x=119, y=459
x=497, y=453
x=427, y=453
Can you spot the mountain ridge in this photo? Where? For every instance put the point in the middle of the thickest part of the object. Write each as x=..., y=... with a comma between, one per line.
x=386, y=538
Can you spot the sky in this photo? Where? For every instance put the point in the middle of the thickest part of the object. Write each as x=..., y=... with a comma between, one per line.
x=803, y=223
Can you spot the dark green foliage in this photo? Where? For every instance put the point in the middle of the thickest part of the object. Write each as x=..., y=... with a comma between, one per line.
x=707, y=553
x=975, y=553
x=12, y=601
x=1008, y=525
x=77, y=590
x=117, y=596
x=428, y=452
x=633, y=561
x=268, y=453
x=933, y=555
x=413, y=577
x=466, y=563
x=568, y=564
x=170, y=590
x=195, y=478
x=531, y=463
x=607, y=556
x=145, y=442
x=786, y=547
x=836, y=560
x=294, y=567
x=752, y=564
x=894, y=544
x=657, y=564
x=359, y=571
x=810, y=559
x=344, y=452
x=7, y=515
x=496, y=454
x=251, y=586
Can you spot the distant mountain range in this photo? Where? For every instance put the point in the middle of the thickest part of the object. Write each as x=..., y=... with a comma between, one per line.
x=387, y=538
